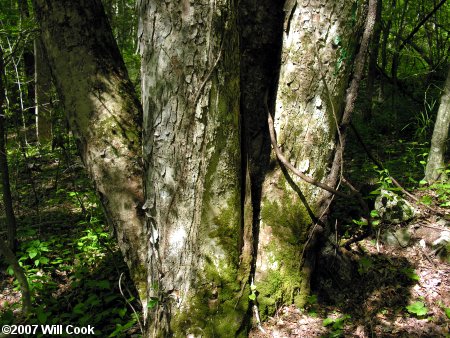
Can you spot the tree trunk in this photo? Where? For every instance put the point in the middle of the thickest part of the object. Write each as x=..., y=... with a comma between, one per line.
x=104, y=113
x=317, y=51
x=373, y=62
x=201, y=247
x=435, y=168
x=4, y=172
x=43, y=85
x=11, y=259
x=29, y=72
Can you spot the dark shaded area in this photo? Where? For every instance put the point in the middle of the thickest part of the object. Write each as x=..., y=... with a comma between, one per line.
x=261, y=28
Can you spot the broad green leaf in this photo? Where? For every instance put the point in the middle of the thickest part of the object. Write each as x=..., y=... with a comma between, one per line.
x=418, y=308
x=328, y=321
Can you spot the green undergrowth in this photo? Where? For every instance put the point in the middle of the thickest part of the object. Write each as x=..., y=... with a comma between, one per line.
x=71, y=261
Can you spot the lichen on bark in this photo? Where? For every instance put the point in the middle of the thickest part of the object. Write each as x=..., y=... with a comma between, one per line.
x=318, y=44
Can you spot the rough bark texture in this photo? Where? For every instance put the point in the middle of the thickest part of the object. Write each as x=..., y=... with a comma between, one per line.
x=103, y=112
x=190, y=92
x=436, y=158
x=318, y=44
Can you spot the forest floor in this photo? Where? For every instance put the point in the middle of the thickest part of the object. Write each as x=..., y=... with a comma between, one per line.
x=389, y=278
x=394, y=283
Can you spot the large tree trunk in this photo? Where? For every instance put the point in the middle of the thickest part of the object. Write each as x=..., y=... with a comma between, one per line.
x=435, y=168
x=105, y=114
x=201, y=248
x=318, y=44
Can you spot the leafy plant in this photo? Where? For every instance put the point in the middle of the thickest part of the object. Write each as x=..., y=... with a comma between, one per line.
x=252, y=295
x=337, y=324
x=364, y=265
x=417, y=308
x=411, y=274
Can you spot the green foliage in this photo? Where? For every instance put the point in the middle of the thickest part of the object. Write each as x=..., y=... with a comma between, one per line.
x=364, y=265
x=417, y=308
x=252, y=295
x=337, y=325
x=411, y=274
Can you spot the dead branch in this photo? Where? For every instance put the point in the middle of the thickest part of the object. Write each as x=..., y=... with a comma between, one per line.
x=288, y=164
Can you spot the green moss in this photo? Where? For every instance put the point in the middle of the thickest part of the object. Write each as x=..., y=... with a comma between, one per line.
x=139, y=277
x=217, y=308
x=286, y=282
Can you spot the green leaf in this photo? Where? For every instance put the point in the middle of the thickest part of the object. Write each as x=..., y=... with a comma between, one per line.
x=328, y=321
x=312, y=299
x=417, y=308
x=32, y=253
x=122, y=312
x=44, y=260
x=152, y=302
x=79, y=308
x=411, y=273
x=252, y=296
x=447, y=312
x=253, y=287
x=374, y=213
x=427, y=200
x=422, y=182
x=42, y=316
x=103, y=284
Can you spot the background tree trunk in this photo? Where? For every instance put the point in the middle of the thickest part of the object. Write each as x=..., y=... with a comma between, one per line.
x=436, y=158
x=29, y=72
x=201, y=250
x=43, y=85
x=318, y=45
x=104, y=113
x=4, y=172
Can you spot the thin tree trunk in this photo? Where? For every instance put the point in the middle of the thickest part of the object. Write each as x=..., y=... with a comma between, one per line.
x=373, y=62
x=7, y=198
x=436, y=158
x=11, y=259
x=29, y=72
x=105, y=114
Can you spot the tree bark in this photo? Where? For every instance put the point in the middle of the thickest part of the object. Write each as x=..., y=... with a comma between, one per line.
x=43, y=85
x=11, y=259
x=435, y=168
x=201, y=245
x=7, y=198
x=373, y=63
x=104, y=113
x=318, y=45
x=29, y=72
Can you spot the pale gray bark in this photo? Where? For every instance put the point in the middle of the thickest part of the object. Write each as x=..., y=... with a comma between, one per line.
x=318, y=45
x=103, y=112
x=435, y=168
x=190, y=92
